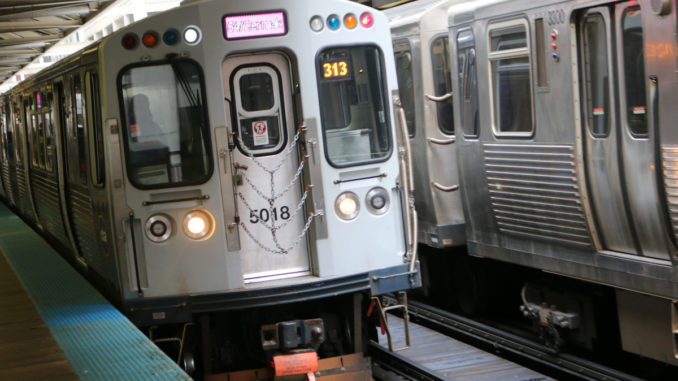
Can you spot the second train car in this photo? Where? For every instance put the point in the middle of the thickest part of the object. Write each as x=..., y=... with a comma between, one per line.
x=229, y=172
x=567, y=157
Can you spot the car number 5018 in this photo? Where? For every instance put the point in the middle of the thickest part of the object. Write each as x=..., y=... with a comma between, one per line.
x=264, y=215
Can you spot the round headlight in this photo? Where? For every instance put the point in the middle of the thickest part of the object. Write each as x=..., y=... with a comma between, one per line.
x=198, y=224
x=377, y=200
x=159, y=228
x=347, y=206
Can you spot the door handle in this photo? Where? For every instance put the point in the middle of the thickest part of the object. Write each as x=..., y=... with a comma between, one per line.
x=444, y=188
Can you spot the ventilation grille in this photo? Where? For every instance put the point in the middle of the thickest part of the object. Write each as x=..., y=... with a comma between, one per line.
x=670, y=171
x=534, y=192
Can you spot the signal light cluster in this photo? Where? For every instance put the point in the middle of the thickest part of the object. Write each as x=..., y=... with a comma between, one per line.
x=334, y=22
x=191, y=36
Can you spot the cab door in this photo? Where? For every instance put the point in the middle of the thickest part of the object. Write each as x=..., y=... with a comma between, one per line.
x=265, y=167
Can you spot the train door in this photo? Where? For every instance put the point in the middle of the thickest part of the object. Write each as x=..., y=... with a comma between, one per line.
x=75, y=159
x=267, y=187
x=620, y=155
x=64, y=120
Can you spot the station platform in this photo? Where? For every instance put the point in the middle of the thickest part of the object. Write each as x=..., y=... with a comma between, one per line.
x=54, y=325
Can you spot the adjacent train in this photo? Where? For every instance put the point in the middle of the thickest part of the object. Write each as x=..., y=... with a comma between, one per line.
x=563, y=117
x=231, y=174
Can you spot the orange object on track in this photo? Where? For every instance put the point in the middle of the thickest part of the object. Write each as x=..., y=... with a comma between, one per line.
x=300, y=363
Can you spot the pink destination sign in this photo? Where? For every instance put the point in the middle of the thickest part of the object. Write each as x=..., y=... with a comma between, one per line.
x=254, y=25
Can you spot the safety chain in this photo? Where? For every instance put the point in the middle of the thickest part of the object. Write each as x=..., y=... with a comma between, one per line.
x=282, y=250
x=279, y=249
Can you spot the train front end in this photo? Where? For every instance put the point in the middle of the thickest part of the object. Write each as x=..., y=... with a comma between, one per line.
x=256, y=173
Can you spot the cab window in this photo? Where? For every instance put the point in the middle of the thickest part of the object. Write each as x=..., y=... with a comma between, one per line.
x=166, y=136
x=353, y=105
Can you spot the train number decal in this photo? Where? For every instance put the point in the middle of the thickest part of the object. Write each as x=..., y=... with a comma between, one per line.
x=555, y=17
x=264, y=214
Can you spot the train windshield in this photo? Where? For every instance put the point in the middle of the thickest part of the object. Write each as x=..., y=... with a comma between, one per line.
x=166, y=126
x=353, y=105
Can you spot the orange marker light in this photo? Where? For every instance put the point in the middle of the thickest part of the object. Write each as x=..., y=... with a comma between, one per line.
x=350, y=21
x=150, y=39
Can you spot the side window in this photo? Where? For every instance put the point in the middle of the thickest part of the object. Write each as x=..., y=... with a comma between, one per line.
x=18, y=129
x=634, y=71
x=79, y=106
x=511, y=75
x=98, y=175
x=468, y=82
x=596, y=77
x=442, y=82
x=403, y=61
x=48, y=108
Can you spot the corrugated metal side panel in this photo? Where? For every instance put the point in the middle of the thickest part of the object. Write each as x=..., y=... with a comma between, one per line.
x=670, y=174
x=46, y=198
x=6, y=182
x=84, y=229
x=23, y=203
x=534, y=192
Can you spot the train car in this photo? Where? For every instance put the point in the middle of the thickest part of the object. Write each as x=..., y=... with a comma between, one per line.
x=567, y=162
x=421, y=47
x=231, y=173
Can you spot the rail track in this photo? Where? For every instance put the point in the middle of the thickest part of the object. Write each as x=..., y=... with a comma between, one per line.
x=490, y=339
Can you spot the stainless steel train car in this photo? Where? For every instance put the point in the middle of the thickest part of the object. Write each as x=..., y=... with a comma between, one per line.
x=231, y=173
x=564, y=115
x=421, y=47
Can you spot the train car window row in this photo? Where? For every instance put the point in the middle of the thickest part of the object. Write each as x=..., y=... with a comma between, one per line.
x=353, y=105
x=442, y=82
x=403, y=58
x=511, y=75
x=167, y=141
x=468, y=82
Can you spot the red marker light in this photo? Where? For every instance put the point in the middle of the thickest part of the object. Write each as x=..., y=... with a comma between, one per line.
x=150, y=39
x=366, y=20
x=129, y=41
x=554, y=46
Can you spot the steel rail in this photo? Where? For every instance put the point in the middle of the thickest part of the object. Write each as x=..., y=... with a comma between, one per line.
x=466, y=329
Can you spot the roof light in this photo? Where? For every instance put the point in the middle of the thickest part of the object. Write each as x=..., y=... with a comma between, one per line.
x=366, y=19
x=170, y=37
x=350, y=21
x=317, y=23
x=150, y=39
x=333, y=22
x=129, y=41
x=192, y=35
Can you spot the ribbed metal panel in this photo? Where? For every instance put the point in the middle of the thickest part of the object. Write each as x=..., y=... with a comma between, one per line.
x=46, y=199
x=6, y=181
x=670, y=172
x=84, y=229
x=22, y=193
x=534, y=192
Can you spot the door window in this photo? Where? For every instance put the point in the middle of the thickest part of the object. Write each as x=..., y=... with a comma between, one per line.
x=259, y=110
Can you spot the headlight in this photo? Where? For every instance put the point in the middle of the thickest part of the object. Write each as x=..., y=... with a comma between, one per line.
x=347, y=206
x=377, y=200
x=198, y=224
x=159, y=228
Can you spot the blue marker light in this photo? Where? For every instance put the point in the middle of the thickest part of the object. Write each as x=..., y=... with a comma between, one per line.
x=170, y=37
x=333, y=22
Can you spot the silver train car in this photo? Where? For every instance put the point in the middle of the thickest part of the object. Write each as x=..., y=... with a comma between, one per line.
x=564, y=115
x=420, y=42
x=232, y=174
